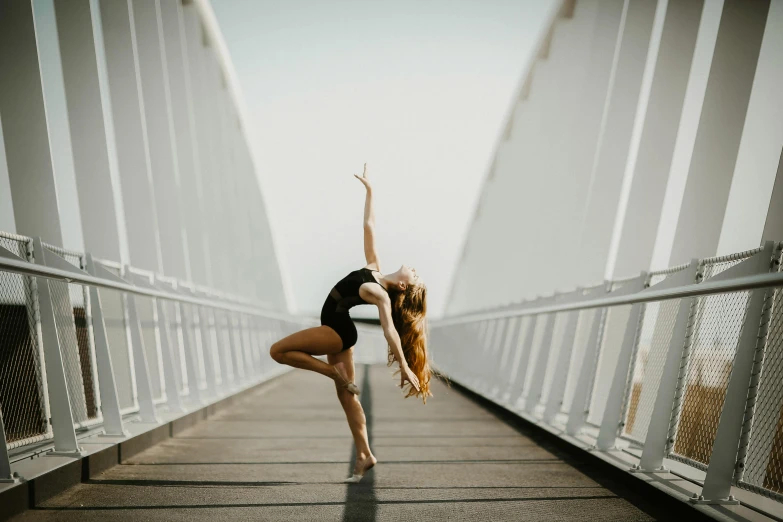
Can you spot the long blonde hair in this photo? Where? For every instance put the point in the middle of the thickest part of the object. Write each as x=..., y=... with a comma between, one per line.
x=409, y=308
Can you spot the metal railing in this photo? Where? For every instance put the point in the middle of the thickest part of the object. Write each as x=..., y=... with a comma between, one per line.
x=684, y=364
x=90, y=345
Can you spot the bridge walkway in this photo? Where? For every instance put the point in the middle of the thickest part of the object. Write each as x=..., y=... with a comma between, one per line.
x=282, y=452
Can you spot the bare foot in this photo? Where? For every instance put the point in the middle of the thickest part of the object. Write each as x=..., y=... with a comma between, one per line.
x=342, y=378
x=363, y=465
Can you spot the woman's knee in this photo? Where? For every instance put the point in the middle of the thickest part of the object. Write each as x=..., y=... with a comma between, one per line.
x=277, y=351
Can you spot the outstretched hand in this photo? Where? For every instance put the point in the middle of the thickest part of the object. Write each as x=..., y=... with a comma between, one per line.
x=407, y=375
x=363, y=178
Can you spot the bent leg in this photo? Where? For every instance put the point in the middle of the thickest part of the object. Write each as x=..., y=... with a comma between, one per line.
x=354, y=412
x=298, y=349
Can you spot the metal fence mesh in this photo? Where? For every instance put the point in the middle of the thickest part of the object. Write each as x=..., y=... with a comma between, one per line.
x=22, y=379
x=653, y=341
x=715, y=331
x=763, y=466
x=74, y=323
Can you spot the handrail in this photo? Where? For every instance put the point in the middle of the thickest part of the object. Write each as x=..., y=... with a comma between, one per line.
x=31, y=269
x=645, y=296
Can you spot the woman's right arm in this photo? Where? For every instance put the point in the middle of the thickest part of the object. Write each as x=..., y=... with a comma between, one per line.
x=370, y=253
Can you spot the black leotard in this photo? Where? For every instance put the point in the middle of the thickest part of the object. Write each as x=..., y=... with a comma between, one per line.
x=342, y=298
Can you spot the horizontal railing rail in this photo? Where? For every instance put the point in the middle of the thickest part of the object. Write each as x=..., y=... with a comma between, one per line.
x=22, y=267
x=90, y=344
x=645, y=296
x=679, y=369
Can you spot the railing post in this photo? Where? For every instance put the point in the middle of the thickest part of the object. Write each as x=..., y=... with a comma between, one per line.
x=110, y=402
x=167, y=344
x=484, y=362
x=539, y=374
x=191, y=353
x=6, y=475
x=613, y=411
x=580, y=405
x=512, y=333
x=59, y=401
x=240, y=366
x=723, y=459
x=658, y=430
x=256, y=339
x=206, y=352
x=559, y=379
x=141, y=369
x=518, y=387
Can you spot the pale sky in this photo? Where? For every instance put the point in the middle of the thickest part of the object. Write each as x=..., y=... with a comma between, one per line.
x=417, y=89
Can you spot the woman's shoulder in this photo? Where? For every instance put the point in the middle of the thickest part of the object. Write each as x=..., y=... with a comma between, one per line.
x=372, y=266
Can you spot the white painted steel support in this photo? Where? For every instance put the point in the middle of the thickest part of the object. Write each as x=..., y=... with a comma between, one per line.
x=518, y=388
x=208, y=351
x=613, y=412
x=581, y=404
x=495, y=367
x=231, y=380
x=167, y=346
x=505, y=368
x=247, y=325
x=537, y=381
x=240, y=368
x=110, y=402
x=59, y=401
x=658, y=431
x=191, y=354
x=144, y=394
x=560, y=376
x=6, y=476
x=484, y=363
x=223, y=351
x=723, y=459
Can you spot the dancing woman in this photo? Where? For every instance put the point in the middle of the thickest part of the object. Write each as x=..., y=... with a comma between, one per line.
x=401, y=298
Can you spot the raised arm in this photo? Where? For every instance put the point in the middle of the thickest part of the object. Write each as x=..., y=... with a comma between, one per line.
x=369, y=223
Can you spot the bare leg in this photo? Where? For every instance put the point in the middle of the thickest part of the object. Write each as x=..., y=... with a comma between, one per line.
x=298, y=350
x=354, y=413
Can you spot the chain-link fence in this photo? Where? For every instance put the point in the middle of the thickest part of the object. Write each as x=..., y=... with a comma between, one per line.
x=652, y=344
x=714, y=331
x=23, y=396
x=205, y=335
x=761, y=469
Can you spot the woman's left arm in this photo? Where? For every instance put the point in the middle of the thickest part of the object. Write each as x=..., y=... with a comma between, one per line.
x=393, y=338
